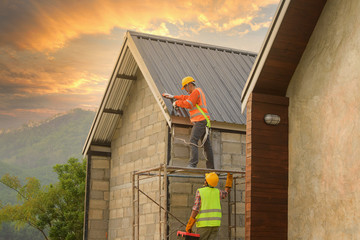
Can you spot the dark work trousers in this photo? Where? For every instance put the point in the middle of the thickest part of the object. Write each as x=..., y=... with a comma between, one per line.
x=197, y=133
x=208, y=233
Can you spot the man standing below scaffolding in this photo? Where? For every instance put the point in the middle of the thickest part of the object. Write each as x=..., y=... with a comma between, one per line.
x=199, y=116
x=206, y=211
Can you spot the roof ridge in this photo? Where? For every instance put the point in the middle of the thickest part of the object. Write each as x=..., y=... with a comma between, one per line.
x=190, y=43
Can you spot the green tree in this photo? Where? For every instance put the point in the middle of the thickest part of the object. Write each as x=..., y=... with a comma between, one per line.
x=69, y=224
x=56, y=210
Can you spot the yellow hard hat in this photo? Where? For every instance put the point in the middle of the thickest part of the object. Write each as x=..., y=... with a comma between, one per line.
x=186, y=80
x=212, y=179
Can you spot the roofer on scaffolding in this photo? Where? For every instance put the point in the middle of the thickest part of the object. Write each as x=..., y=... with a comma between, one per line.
x=206, y=211
x=199, y=116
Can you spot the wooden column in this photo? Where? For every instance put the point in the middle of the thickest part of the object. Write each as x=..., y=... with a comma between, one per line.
x=266, y=194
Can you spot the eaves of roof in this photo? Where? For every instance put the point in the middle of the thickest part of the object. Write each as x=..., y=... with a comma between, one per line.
x=282, y=48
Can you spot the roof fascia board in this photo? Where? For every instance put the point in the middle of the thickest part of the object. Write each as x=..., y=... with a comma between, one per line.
x=264, y=52
x=148, y=78
x=100, y=149
x=214, y=124
x=109, y=87
x=228, y=126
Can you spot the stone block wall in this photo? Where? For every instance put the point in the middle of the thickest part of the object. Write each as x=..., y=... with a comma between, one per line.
x=138, y=144
x=229, y=153
x=98, y=215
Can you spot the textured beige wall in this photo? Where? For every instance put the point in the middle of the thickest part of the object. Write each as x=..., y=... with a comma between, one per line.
x=138, y=144
x=324, y=124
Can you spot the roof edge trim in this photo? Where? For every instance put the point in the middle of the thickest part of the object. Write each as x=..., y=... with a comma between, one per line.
x=147, y=76
x=104, y=100
x=265, y=49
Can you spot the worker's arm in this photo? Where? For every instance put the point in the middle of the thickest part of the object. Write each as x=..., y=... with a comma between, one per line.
x=168, y=95
x=194, y=212
x=191, y=222
x=229, y=182
x=181, y=97
x=190, y=101
x=178, y=97
x=228, y=186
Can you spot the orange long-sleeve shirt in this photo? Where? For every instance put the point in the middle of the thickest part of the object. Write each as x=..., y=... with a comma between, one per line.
x=194, y=98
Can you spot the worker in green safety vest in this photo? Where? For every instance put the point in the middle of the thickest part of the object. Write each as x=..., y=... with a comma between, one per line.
x=206, y=211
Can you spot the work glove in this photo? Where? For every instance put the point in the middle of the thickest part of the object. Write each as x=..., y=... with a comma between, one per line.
x=175, y=106
x=229, y=180
x=190, y=224
x=168, y=95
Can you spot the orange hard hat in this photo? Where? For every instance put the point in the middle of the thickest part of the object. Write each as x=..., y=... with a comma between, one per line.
x=212, y=179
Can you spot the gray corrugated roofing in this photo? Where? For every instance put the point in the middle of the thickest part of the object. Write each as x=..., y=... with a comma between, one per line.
x=220, y=72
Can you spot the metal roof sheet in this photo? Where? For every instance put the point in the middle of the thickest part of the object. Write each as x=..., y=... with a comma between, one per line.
x=220, y=72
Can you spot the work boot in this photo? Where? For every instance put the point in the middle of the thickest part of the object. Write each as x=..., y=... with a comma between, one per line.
x=210, y=165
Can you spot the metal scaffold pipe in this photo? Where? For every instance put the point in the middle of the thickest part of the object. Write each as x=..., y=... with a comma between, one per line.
x=164, y=172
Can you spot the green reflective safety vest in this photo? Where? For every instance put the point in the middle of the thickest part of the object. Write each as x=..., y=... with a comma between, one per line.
x=210, y=210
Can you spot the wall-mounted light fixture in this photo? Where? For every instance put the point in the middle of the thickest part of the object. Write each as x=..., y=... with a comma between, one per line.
x=272, y=119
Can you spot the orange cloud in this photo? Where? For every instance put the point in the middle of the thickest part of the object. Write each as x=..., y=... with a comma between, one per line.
x=66, y=81
x=43, y=25
x=74, y=44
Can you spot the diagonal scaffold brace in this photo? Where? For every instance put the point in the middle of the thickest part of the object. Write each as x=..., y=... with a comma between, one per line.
x=160, y=206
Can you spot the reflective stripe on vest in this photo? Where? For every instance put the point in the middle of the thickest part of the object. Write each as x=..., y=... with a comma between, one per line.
x=210, y=210
x=195, y=114
x=190, y=102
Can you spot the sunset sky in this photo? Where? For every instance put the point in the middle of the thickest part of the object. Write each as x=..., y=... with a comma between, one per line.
x=56, y=55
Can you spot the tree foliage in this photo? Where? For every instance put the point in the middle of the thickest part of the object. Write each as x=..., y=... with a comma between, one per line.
x=56, y=210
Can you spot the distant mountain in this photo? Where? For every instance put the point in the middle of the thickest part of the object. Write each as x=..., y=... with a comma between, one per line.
x=33, y=150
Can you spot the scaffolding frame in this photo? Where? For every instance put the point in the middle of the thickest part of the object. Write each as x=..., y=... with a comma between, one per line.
x=163, y=172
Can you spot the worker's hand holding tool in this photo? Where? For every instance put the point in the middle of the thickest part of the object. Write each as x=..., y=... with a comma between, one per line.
x=168, y=96
x=190, y=224
x=176, y=107
x=229, y=180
